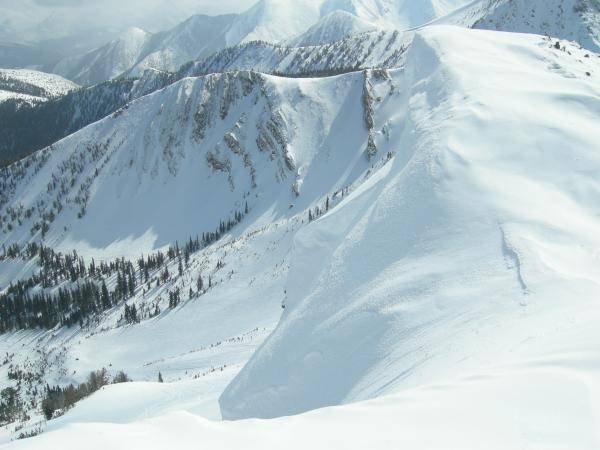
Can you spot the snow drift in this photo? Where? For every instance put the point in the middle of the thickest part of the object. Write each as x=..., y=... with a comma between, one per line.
x=476, y=247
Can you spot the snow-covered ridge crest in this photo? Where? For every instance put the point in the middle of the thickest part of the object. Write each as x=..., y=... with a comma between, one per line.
x=574, y=20
x=242, y=134
x=438, y=266
x=382, y=49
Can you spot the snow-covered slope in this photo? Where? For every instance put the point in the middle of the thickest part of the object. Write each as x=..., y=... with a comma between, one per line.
x=448, y=260
x=248, y=136
x=32, y=86
x=204, y=148
x=432, y=269
x=496, y=411
x=574, y=20
x=442, y=278
x=197, y=37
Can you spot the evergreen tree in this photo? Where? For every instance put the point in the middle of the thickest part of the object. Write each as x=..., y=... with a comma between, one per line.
x=105, y=296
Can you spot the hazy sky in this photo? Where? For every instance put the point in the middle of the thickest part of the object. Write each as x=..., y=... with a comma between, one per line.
x=99, y=20
x=206, y=6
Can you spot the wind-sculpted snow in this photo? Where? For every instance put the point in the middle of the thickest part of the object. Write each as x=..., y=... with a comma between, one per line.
x=243, y=153
x=25, y=129
x=475, y=248
x=425, y=215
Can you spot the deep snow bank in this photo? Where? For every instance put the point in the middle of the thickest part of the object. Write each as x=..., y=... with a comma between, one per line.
x=477, y=246
x=495, y=411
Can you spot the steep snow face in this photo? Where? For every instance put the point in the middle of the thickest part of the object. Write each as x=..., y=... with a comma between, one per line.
x=574, y=20
x=449, y=260
x=106, y=62
x=274, y=20
x=32, y=86
x=514, y=407
x=203, y=148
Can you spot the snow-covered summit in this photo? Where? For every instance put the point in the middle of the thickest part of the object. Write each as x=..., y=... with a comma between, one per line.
x=333, y=27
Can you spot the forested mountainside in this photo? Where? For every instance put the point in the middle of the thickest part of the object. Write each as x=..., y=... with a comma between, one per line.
x=372, y=49
x=26, y=128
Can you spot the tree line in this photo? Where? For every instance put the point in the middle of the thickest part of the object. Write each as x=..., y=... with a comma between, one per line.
x=67, y=292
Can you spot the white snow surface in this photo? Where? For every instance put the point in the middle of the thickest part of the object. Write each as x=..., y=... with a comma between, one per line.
x=452, y=293
x=49, y=85
x=574, y=20
x=498, y=410
x=451, y=258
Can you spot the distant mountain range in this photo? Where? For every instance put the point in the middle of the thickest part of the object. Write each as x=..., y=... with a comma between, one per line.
x=298, y=23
